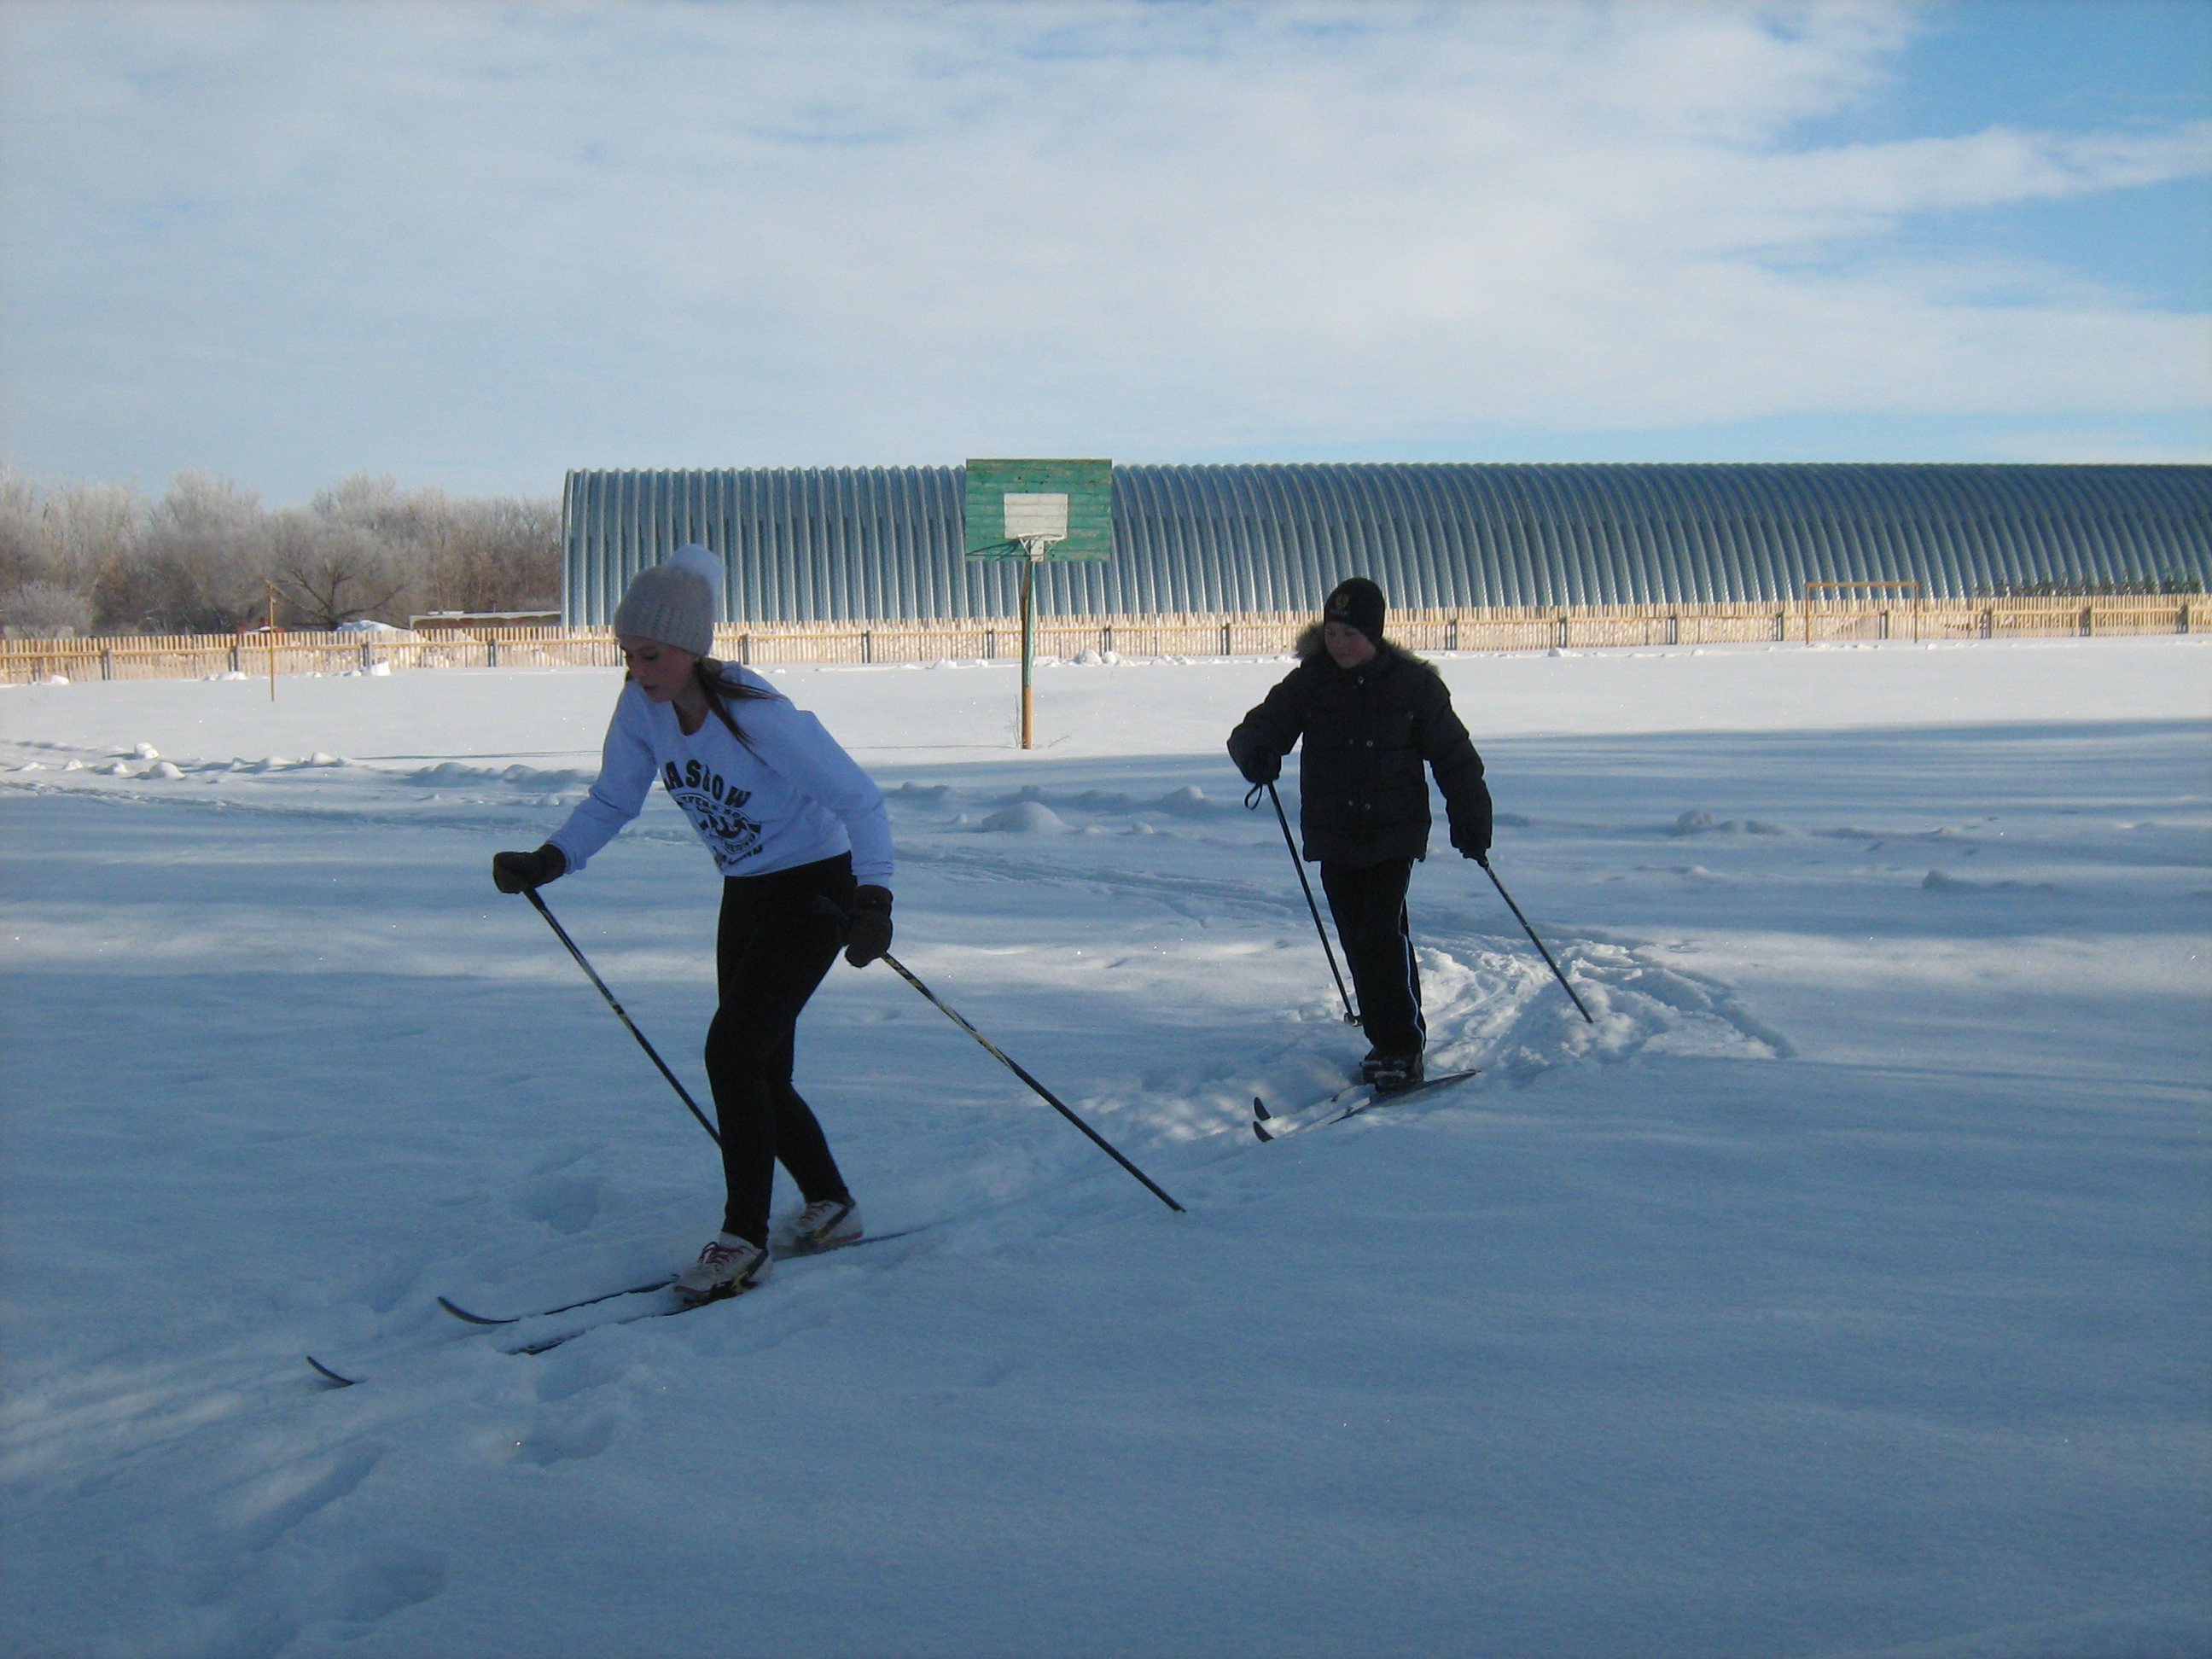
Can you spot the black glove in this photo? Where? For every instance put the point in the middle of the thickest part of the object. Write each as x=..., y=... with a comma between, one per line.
x=869, y=934
x=1261, y=768
x=518, y=872
x=1472, y=844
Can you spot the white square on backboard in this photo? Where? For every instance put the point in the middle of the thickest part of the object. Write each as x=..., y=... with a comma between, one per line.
x=1036, y=515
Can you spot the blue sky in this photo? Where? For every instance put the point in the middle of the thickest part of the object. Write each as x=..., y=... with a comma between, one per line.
x=474, y=245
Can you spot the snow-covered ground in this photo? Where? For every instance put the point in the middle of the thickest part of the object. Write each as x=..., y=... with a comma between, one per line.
x=1843, y=1291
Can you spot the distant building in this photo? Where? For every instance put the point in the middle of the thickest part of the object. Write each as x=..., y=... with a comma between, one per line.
x=846, y=544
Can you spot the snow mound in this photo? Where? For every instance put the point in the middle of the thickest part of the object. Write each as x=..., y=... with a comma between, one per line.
x=1497, y=1007
x=146, y=751
x=1699, y=822
x=164, y=770
x=452, y=775
x=1026, y=817
x=1190, y=802
x=1089, y=800
x=1936, y=881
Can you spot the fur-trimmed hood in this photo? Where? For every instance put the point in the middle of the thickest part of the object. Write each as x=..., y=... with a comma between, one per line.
x=1309, y=648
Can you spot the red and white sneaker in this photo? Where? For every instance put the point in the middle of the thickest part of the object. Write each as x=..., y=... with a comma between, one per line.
x=825, y=1225
x=727, y=1267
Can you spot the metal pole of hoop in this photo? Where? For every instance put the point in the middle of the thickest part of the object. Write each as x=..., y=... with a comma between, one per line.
x=1033, y=550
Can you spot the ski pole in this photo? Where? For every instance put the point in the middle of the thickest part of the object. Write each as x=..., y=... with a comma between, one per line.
x=829, y=907
x=1533, y=939
x=1251, y=802
x=1050, y=1098
x=530, y=893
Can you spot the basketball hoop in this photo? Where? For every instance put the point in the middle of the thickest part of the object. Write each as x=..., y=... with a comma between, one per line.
x=1038, y=512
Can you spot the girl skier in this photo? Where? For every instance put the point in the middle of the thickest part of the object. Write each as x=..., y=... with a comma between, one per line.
x=791, y=820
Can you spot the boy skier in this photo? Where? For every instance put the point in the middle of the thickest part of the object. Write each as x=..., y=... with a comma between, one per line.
x=1370, y=715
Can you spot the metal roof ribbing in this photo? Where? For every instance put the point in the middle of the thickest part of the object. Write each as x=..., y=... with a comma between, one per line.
x=885, y=543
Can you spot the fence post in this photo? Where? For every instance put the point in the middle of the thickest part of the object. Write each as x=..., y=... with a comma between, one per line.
x=990, y=645
x=2088, y=621
x=1452, y=635
x=107, y=664
x=491, y=654
x=1673, y=630
x=1224, y=639
x=1106, y=634
x=1882, y=629
x=233, y=656
x=1559, y=636
x=867, y=646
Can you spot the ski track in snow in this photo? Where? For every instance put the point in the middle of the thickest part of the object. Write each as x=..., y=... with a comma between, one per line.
x=1833, y=1293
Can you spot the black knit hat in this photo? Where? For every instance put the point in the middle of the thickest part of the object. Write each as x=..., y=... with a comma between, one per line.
x=1356, y=603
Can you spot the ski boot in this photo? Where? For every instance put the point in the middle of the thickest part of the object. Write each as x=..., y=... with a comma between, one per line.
x=1395, y=1073
x=825, y=1224
x=727, y=1267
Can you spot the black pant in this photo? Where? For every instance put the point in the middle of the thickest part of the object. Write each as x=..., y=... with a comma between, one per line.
x=771, y=950
x=1368, y=903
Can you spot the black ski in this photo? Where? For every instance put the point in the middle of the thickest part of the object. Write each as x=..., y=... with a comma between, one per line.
x=551, y=1342
x=460, y=1312
x=785, y=1253
x=1316, y=1116
x=781, y=1252
x=342, y=1381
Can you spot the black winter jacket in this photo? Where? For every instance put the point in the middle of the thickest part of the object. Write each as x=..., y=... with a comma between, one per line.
x=1367, y=731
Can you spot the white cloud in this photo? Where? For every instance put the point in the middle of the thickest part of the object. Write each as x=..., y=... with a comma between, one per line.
x=488, y=241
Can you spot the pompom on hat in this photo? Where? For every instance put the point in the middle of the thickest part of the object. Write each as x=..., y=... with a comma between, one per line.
x=674, y=602
x=1356, y=603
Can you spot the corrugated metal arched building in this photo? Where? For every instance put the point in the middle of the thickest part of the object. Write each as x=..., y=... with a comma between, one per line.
x=848, y=544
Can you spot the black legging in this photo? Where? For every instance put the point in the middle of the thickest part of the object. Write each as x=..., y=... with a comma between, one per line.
x=1368, y=903
x=771, y=948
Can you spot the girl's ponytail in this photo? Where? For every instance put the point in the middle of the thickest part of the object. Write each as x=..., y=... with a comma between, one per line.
x=722, y=688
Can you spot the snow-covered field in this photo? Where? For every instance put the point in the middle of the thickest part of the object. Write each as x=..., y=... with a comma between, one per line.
x=1842, y=1291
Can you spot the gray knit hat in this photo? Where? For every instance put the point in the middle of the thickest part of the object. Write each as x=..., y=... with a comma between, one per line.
x=674, y=602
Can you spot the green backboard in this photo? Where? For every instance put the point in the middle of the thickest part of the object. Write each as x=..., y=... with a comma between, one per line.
x=1068, y=504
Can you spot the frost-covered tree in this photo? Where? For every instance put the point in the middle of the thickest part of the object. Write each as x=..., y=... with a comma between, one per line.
x=44, y=610
x=331, y=571
x=67, y=537
x=203, y=558
x=204, y=566
x=504, y=554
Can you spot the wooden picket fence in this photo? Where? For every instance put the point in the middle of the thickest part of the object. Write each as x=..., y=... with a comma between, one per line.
x=141, y=657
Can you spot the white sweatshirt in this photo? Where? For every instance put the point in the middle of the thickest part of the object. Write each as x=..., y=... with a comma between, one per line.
x=792, y=798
